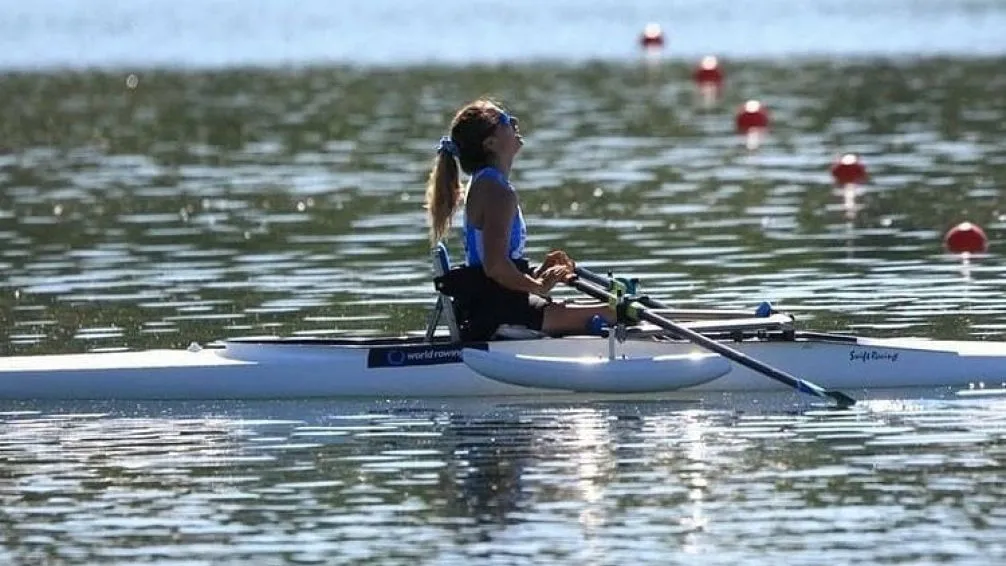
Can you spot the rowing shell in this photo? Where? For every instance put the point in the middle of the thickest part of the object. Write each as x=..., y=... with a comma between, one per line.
x=277, y=368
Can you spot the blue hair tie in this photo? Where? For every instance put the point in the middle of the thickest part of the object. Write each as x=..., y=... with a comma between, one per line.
x=448, y=146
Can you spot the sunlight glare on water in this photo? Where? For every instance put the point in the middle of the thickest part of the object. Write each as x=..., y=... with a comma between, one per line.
x=521, y=483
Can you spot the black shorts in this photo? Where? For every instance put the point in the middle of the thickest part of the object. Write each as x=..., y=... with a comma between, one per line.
x=511, y=307
x=482, y=305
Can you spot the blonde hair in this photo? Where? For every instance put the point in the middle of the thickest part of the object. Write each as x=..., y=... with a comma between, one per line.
x=471, y=125
x=443, y=194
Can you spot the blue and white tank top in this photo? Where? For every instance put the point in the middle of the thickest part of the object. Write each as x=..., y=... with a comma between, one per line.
x=474, y=250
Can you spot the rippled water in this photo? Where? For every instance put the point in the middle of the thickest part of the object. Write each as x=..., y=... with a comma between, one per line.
x=603, y=483
x=147, y=207
x=158, y=208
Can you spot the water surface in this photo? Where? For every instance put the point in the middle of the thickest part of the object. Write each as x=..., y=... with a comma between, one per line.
x=513, y=483
x=179, y=171
x=162, y=207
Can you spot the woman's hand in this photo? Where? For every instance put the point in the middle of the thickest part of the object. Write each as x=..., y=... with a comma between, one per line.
x=552, y=276
x=553, y=258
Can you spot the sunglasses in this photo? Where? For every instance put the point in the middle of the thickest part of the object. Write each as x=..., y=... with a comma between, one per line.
x=508, y=119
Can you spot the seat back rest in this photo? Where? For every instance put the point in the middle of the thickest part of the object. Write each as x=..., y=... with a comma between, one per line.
x=444, y=307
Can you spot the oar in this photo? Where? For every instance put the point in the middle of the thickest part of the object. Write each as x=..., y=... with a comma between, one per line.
x=605, y=282
x=595, y=278
x=610, y=282
x=639, y=311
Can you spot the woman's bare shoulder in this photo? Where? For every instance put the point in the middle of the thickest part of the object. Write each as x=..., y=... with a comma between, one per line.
x=489, y=192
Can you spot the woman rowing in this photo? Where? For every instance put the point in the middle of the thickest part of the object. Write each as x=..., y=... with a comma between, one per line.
x=502, y=288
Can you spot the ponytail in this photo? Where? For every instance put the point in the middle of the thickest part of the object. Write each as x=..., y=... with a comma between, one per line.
x=461, y=150
x=443, y=192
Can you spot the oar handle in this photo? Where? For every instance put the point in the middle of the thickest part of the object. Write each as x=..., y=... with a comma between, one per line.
x=741, y=358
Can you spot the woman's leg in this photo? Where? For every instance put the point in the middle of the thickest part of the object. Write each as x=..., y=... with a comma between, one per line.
x=560, y=319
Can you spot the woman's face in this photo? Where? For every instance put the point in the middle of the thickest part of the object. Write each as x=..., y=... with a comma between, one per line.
x=505, y=140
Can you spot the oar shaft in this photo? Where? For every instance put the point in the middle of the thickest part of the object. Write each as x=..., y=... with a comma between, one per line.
x=718, y=347
x=662, y=308
x=588, y=275
x=701, y=314
x=604, y=282
x=730, y=353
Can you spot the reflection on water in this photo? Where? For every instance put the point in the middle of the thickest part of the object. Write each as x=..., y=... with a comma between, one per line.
x=610, y=483
x=158, y=208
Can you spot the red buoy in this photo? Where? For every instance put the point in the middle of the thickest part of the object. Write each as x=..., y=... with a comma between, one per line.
x=652, y=36
x=708, y=72
x=848, y=170
x=966, y=238
x=752, y=116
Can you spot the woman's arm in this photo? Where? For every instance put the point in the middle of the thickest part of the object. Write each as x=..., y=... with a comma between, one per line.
x=497, y=207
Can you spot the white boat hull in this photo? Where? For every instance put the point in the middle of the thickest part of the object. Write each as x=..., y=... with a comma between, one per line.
x=298, y=369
